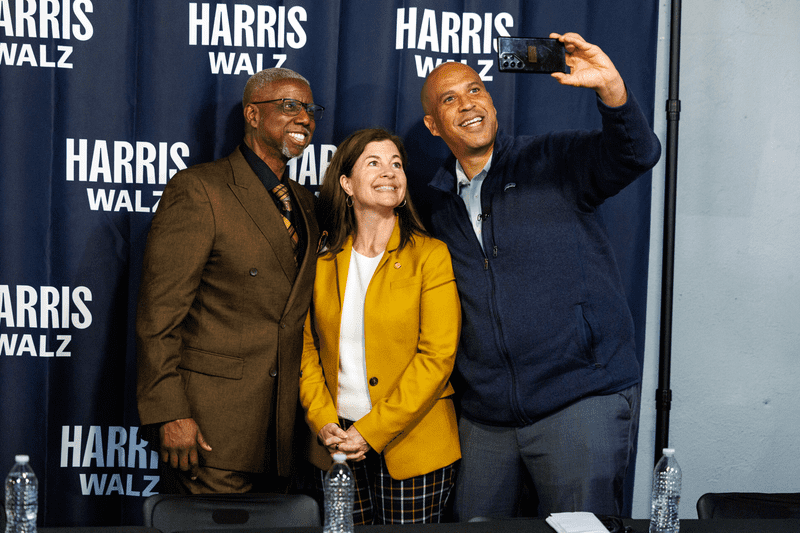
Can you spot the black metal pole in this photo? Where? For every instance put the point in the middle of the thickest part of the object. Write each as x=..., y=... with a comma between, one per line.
x=664, y=393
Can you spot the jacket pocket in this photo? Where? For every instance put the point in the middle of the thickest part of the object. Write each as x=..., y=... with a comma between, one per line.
x=585, y=336
x=406, y=282
x=212, y=364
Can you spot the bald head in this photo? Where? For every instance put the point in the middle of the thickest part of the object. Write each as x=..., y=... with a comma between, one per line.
x=435, y=80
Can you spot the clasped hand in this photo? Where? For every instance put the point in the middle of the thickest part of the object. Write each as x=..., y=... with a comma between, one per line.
x=591, y=68
x=350, y=442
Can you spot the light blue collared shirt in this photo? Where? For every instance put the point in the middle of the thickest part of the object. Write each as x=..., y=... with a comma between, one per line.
x=470, y=192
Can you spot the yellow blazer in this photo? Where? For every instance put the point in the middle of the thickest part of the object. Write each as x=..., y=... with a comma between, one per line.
x=412, y=321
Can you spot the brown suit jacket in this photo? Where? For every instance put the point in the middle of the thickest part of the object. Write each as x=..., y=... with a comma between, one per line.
x=220, y=318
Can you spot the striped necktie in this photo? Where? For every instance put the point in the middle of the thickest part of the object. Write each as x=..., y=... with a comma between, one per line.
x=281, y=192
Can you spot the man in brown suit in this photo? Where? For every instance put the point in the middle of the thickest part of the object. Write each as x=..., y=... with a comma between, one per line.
x=226, y=285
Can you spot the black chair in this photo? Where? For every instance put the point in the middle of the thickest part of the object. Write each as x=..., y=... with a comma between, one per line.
x=170, y=513
x=748, y=505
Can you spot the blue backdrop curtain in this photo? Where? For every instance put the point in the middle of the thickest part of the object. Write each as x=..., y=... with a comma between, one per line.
x=102, y=102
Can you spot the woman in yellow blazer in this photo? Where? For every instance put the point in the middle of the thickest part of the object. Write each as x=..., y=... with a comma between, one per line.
x=381, y=338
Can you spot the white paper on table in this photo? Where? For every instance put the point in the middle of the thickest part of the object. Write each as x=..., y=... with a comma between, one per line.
x=576, y=523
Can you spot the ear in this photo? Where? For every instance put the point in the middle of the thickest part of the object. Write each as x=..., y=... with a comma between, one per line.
x=251, y=115
x=430, y=123
x=347, y=187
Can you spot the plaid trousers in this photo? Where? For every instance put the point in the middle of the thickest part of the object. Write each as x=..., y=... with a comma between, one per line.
x=381, y=499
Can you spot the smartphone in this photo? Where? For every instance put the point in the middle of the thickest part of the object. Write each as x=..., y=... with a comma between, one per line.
x=531, y=54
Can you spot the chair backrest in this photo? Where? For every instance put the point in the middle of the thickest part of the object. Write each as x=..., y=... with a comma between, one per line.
x=171, y=513
x=748, y=505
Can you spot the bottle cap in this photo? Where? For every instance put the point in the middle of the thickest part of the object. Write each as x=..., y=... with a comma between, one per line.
x=340, y=457
x=22, y=458
x=669, y=452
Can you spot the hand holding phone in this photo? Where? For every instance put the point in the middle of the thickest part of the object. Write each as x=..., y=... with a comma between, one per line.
x=590, y=67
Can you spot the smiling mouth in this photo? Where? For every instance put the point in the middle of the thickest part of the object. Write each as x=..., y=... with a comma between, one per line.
x=470, y=122
x=385, y=188
x=299, y=138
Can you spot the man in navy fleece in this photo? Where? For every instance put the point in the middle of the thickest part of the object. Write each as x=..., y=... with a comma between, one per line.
x=547, y=355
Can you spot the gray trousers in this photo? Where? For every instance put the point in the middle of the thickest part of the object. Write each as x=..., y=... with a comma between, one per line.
x=577, y=459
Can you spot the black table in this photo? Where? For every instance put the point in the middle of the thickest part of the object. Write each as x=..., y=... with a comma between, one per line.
x=540, y=526
x=492, y=526
x=99, y=529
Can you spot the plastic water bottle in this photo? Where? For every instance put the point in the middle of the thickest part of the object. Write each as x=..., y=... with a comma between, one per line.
x=339, y=487
x=22, y=497
x=666, y=494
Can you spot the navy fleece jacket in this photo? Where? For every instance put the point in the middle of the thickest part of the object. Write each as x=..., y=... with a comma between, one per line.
x=545, y=318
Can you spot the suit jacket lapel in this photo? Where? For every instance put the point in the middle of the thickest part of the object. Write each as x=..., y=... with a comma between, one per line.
x=391, y=246
x=343, y=260
x=256, y=200
x=342, y=267
x=308, y=266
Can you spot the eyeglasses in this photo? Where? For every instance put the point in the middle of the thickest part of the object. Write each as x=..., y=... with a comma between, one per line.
x=292, y=107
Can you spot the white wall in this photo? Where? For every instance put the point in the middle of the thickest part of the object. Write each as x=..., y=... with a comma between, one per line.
x=735, y=419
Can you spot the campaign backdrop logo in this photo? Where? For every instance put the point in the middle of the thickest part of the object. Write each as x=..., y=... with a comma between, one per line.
x=39, y=30
x=243, y=26
x=31, y=317
x=117, y=174
x=444, y=35
x=109, y=460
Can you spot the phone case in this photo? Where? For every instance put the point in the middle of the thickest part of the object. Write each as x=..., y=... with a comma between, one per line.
x=531, y=54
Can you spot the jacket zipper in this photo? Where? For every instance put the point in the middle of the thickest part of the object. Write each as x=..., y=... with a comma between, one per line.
x=513, y=403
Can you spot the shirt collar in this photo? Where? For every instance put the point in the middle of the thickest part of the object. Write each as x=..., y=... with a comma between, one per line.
x=461, y=176
x=262, y=170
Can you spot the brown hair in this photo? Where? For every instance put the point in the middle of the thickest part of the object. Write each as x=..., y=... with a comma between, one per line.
x=333, y=213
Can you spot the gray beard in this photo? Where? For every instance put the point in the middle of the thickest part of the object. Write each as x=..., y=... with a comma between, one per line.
x=288, y=153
